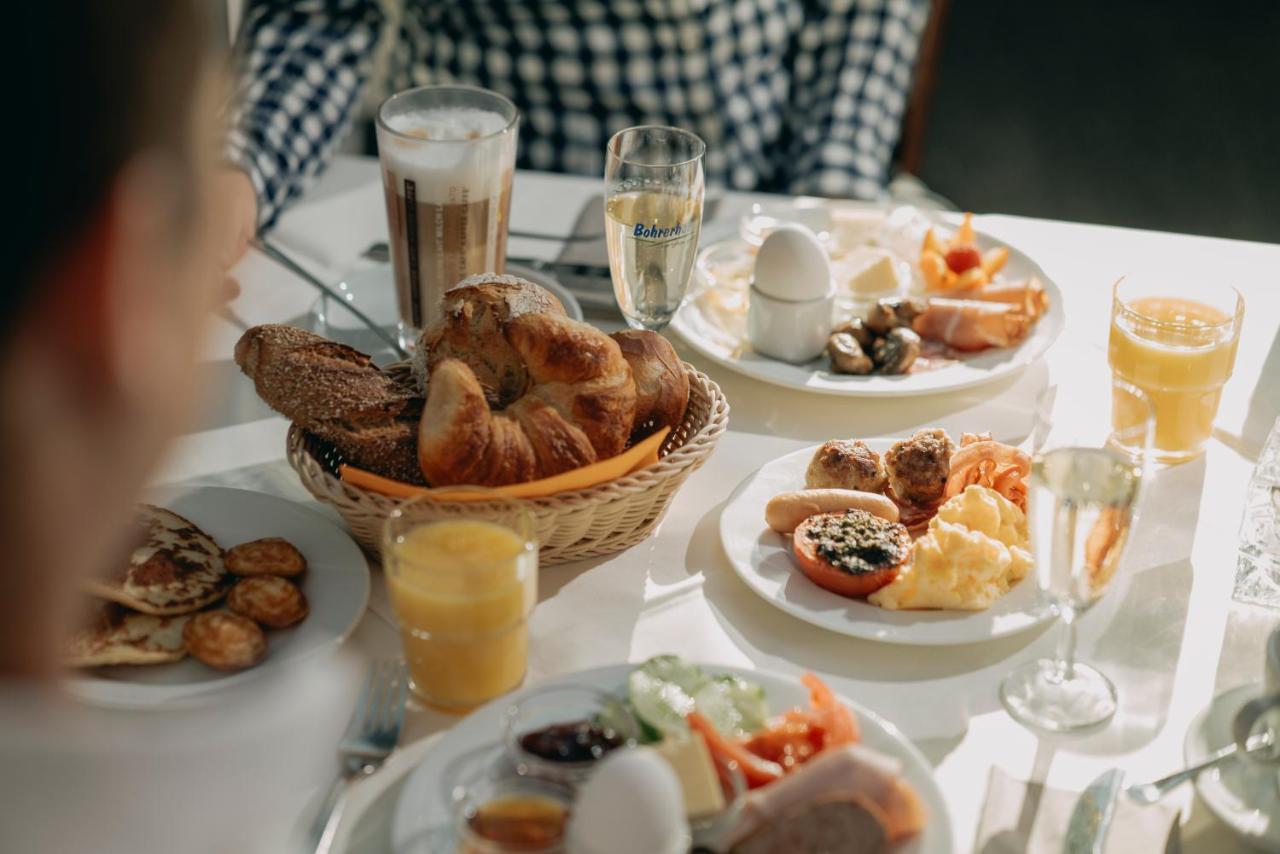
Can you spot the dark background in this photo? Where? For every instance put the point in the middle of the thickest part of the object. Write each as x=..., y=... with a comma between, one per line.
x=1144, y=114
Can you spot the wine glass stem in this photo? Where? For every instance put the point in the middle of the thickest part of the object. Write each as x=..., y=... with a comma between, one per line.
x=1067, y=644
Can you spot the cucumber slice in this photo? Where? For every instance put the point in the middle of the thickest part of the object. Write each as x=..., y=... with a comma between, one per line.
x=673, y=668
x=747, y=699
x=659, y=703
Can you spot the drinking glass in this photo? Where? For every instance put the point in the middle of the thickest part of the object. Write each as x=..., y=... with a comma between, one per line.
x=462, y=590
x=1085, y=477
x=1177, y=342
x=653, y=214
x=447, y=155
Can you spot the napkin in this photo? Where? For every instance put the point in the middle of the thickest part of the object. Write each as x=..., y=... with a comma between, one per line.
x=327, y=235
x=1031, y=817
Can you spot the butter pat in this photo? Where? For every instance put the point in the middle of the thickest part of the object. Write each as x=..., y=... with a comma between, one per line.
x=691, y=760
x=877, y=277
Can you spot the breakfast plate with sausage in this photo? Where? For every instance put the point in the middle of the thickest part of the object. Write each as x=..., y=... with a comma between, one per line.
x=861, y=302
x=921, y=540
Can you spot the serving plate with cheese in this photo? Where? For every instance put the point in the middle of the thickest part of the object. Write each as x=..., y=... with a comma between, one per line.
x=972, y=576
x=873, y=255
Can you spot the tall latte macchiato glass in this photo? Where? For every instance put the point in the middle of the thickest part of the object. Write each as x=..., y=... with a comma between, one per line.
x=447, y=155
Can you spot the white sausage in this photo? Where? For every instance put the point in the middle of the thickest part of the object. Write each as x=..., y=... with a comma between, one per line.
x=785, y=512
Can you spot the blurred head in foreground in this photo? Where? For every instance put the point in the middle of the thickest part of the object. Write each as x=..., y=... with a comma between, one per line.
x=111, y=273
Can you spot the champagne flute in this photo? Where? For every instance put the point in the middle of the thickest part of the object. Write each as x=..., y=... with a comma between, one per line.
x=653, y=214
x=1085, y=477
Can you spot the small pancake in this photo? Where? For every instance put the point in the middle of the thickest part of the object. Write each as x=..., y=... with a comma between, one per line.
x=268, y=556
x=176, y=568
x=225, y=641
x=117, y=635
x=270, y=600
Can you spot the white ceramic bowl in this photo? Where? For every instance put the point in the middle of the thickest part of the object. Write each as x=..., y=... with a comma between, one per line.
x=789, y=331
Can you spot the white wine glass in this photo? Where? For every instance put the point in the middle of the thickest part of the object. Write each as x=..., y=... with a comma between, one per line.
x=1086, y=475
x=653, y=215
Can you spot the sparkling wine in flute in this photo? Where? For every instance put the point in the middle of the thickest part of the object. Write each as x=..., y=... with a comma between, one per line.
x=1080, y=508
x=652, y=237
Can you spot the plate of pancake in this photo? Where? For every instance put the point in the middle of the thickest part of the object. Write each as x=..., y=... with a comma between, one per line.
x=215, y=588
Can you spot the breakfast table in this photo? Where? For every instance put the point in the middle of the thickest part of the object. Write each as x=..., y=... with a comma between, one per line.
x=1169, y=632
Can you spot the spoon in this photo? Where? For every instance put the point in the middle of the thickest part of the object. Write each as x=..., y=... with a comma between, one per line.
x=1262, y=743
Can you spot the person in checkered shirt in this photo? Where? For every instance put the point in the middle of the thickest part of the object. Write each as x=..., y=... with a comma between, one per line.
x=791, y=96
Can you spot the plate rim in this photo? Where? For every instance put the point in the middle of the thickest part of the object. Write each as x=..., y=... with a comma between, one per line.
x=902, y=635
x=854, y=388
x=403, y=813
x=118, y=694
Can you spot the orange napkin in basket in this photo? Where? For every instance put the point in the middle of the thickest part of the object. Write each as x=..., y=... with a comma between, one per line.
x=633, y=459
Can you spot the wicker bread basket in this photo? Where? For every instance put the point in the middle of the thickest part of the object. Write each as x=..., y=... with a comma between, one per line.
x=573, y=525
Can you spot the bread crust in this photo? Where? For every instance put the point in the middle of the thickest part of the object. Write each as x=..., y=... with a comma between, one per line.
x=578, y=409
x=475, y=313
x=336, y=393
x=662, y=386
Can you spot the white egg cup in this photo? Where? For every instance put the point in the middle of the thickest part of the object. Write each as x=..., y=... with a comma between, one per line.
x=793, y=331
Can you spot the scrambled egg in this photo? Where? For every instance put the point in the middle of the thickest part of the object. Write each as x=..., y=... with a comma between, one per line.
x=974, y=551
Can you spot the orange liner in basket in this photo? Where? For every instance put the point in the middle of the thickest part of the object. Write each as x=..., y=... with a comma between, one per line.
x=638, y=456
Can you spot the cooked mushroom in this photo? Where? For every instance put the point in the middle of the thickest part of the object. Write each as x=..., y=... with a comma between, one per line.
x=859, y=331
x=847, y=356
x=896, y=352
x=894, y=312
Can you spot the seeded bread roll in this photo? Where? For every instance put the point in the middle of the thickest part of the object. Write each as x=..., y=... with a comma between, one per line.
x=337, y=393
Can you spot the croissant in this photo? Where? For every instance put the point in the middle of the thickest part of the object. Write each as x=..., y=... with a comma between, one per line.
x=578, y=406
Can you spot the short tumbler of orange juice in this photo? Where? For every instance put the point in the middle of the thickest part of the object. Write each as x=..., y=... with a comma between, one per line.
x=462, y=591
x=1177, y=342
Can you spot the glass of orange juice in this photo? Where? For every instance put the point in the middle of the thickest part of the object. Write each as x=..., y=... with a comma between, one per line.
x=1176, y=342
x=462, y=590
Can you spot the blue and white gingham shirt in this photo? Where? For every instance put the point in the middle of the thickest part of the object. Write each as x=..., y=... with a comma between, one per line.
x=794, y=96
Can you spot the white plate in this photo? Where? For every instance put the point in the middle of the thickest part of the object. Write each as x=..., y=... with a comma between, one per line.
x=336, y=585
x=422, y=808
x=1243, y=795
x=700, y=332
x=761, y=558
x=374, y=291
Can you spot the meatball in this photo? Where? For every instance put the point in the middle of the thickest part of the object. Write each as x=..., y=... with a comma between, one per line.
x=843, y=464
x=919, y=467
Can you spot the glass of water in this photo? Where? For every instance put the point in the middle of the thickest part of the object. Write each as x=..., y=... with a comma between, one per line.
x=1085, y=476
x=653, y=214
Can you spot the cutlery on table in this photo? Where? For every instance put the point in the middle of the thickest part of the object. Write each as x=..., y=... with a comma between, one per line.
x=370, y=737
x=272, y=252
x=1149, y=793
x=1091, y=818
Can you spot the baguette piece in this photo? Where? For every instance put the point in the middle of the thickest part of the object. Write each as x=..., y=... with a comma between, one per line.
x=337, y=393
x=787, y=510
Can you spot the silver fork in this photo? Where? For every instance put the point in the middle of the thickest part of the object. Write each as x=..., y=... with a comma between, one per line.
x=370, y=737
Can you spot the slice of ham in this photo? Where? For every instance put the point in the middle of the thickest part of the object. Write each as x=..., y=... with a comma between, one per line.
x=1027, y=295
x=971, y=325
x=845, y=773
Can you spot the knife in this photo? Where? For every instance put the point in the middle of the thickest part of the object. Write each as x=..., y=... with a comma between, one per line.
x=1091, y=818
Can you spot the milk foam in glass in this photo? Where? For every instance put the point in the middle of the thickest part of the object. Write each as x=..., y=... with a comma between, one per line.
x=447, y=155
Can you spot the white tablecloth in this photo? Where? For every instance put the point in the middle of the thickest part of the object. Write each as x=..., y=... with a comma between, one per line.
x=1169, y=633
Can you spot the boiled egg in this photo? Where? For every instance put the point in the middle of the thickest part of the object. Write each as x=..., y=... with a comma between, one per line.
x=792, y=265
x=631, y=804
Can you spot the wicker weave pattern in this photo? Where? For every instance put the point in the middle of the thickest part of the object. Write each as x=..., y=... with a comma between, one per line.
x=571, y=525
